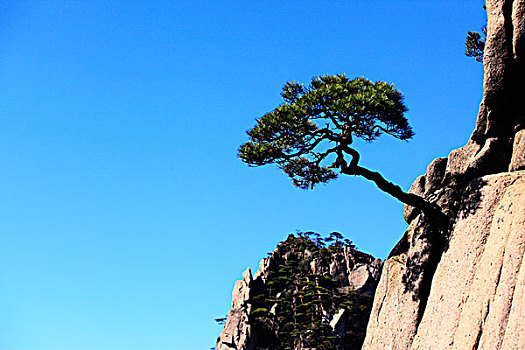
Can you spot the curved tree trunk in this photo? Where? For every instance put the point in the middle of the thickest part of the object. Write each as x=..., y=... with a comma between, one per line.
x=383, y=184
x=395, y=191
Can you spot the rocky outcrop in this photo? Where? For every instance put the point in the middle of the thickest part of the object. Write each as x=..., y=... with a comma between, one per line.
x=460, y=284
x=353, y=274
x=457, y=283
x=498, y=141
x=475, y=300
x=502, y=111
x=398, y=304
x=517, y=161
x=236, y=333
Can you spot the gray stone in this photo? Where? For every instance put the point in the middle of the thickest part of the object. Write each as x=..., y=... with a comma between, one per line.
x=475, y=160
x=459, y=160
x=518, y=152
x=491, y=158
x=502, y=111
x=338, y=323
x=236, y=333
x=241, y=290
x=359, y=277
x=349, y=259
x=435, y=173
x=418, y=187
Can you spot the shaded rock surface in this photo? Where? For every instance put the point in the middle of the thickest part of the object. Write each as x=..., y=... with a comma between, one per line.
x=352, y=272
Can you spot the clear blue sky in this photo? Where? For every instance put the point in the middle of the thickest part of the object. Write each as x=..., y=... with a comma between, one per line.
x=125, y=216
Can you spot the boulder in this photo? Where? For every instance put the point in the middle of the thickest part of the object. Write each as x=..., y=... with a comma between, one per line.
x=459, y=160
x=518, y=152
x=241, y=290
x=425, y=185
x=435, y=174
x=418, y=187
x=363, y=278
x=475, y=160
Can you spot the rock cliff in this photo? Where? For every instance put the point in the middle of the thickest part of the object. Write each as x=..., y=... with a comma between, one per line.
x=475, y=299
x=455, y=283
x=307, y=292
x=460, y=284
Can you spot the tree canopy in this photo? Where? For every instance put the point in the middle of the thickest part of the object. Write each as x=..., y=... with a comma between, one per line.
x=475, y=44
x=333, y=110
x=310, y=135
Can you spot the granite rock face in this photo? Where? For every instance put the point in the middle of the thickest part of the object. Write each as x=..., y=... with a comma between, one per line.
x=460, y=284
x=517, y=161
x=475, y=299
x=502, y=111
x=236, y=333
x=498, y=142
x=394, y=309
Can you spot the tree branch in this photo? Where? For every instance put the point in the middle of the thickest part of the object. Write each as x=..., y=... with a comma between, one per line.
x=385, y=185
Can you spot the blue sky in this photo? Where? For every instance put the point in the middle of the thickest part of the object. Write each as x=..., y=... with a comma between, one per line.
x=126, y=216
